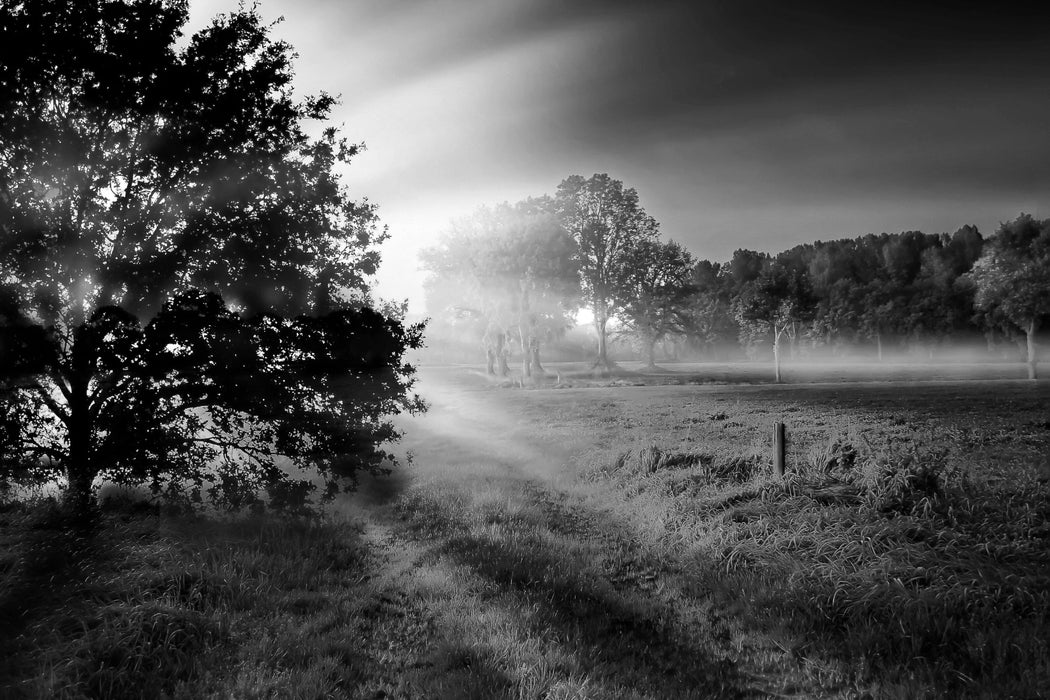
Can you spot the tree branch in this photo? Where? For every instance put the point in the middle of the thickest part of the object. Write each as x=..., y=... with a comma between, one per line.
x=50, y=402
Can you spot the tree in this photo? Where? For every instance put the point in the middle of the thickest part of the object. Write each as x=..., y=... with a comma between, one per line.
x=1012, y=277
x=744, y=268
x=776, y=302
x=656, y=292
x=462, y=290
x=513, y=268
x=940, y=305
x=708, y=318
x=881, y=305
x=184, y=279
x=607, y=223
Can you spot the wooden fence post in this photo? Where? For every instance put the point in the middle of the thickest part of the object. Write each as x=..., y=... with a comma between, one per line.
x=778, y=449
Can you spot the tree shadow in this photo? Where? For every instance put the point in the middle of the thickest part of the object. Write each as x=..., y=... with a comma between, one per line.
x=52, y=550
x=622, y=635
x=72, y=584
x=378, y=489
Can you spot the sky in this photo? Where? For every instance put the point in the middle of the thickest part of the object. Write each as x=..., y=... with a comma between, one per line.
x=741, y=123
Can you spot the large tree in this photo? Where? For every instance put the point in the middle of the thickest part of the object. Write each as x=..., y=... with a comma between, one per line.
x=608, y=223
x=1012, y=277
x=184, y=281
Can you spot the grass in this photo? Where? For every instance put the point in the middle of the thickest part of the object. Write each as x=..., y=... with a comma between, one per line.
x=905, y=554
x=610, y=542
x=561, y=375
x=150, y=605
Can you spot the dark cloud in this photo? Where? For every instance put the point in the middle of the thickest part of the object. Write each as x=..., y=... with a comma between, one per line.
x=879, y=110
x=741, y=122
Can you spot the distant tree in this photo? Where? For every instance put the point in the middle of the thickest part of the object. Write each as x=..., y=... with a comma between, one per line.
x=708, y=319
x=463, y=290
x=549, y=284
x=881, y=307
x=607, y=223
x=940, y=306
x=777, y=301
x=744, y=268
x=902, y=255
x=184, y=281
x=838, y=271
x=962, y=249
x=514, y=268
x=656, y=293
x=1012, y=277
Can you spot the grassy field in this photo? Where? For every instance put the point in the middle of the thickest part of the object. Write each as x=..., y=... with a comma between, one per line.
x=586, y=541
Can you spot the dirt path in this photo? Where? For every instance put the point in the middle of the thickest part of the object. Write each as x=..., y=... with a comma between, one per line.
x=495, y=576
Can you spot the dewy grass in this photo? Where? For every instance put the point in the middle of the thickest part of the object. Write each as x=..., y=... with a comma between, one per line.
x=887, y=550
x=178, y=607
x=905, y=554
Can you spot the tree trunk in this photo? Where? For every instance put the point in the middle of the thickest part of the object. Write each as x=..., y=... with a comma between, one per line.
x=80, y=472
x=491, y=341
x=526, y=354
x=1030, y=337
x=603, y=356
x=602, y=363
x=537, y=368
x=525, y=326
x=878, y=344
x=776, y=354
x=501, y=355
x=78, y=496
x=652, y=353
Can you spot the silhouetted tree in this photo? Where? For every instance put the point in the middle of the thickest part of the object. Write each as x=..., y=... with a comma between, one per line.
x=940, y=305
x=708, y=319
x=607, y=222
x=656, y=292
x=1012, y=277
x=184, y=279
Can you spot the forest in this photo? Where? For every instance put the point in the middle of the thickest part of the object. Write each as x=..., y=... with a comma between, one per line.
x=512, y=278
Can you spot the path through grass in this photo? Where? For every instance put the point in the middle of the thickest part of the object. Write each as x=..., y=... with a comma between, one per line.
x=616, y=542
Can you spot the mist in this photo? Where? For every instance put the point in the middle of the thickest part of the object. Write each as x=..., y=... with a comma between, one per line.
x=526, y=349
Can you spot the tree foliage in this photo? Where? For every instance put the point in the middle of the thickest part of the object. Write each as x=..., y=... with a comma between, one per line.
x=184, y=280
x=909, y=291
x=1012, y=277
x=607, y=222
x=777, y=302
x=511, y=272
x=656, y=292
x=707, y=319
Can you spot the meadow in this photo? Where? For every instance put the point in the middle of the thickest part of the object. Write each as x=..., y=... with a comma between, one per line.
x=615, y=538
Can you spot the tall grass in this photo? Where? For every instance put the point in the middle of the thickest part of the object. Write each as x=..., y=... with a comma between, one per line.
x=913, y=571
x=156, y=606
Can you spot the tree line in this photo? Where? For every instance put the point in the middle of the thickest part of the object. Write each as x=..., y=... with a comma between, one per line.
x=515, y=275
